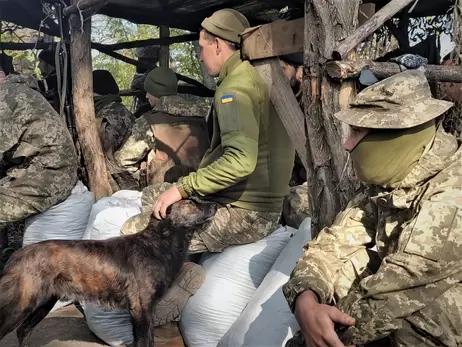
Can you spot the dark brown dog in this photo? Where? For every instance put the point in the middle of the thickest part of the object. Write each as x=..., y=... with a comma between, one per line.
x=132, y=272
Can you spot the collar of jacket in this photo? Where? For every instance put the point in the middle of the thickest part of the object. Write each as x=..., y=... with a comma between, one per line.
x=233, y=61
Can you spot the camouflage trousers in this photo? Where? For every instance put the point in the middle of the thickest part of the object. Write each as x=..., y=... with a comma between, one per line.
x=296, y=206
x=438, y=324
x=230, y=225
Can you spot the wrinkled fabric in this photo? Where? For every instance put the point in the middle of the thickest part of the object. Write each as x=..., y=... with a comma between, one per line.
x=167, y=143
x=417, y=231
x=230, y=225
x=38, y=162
x=114, y=122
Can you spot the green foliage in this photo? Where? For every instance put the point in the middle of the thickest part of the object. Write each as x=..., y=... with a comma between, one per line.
x=108, y=30
x=24, y=61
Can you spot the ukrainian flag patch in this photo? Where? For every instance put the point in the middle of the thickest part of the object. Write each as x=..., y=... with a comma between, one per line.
x=227, y=98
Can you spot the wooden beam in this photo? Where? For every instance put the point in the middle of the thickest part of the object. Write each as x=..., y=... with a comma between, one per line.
x=285, y=103
x=351, y=69
x=82, y=86
x=83, y=5
x=274, y=39
x=150, y=42
x=17, y=46
x=164, y=54
x=369, y=27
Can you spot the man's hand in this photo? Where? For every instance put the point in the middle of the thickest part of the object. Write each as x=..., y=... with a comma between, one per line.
x=164, y=201
x=317, y=321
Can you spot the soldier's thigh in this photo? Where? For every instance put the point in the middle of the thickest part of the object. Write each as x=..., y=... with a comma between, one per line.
x=439, y=324
x=236, y=226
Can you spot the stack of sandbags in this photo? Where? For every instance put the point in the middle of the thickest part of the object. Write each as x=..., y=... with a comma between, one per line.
x=267, y=319
x=232, y=277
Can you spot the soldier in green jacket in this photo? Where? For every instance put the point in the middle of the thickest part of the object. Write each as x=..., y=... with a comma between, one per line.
x=407, y=292
x=246, y=169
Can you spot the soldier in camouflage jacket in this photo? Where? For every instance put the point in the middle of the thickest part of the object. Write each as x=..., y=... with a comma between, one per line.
x=38, y=162
x=408, y=291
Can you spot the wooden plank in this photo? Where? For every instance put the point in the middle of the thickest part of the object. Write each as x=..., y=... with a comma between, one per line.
x=285, y=103
x=272, y=40
x=351, y=69
x=82, y=86
x=369, y=27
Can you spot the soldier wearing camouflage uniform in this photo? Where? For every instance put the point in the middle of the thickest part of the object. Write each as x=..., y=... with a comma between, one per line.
x=168, y=142
x=246, y=169
x=38, y=162
x=114, y=122
x=408, y=292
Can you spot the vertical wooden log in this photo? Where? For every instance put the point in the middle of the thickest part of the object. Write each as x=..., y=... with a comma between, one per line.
x=82, y=86
x=164, y=31
x=329, y=186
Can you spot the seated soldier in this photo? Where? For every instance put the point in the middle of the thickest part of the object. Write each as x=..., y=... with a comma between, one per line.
x=408, y=291
x=246, y=169
x=169, y=141
x=38, y=162
x=148, y=55
x=114, y=122
x=49, y=84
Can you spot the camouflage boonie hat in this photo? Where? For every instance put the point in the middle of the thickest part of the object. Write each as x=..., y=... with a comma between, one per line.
x=398, y=102
x=148, y=52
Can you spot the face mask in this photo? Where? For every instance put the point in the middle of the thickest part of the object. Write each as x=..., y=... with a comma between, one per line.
x=386, y=156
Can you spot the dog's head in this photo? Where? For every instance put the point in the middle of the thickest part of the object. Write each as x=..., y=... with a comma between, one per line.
x=186, y=214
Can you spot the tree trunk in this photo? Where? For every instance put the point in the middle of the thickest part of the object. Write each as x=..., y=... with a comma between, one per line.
x=329, y=186
x=82, y=86
x=164, y=56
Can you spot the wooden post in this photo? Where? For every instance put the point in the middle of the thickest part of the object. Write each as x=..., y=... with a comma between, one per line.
x=341, y=70
x=369, y=27
x=284, y=102
x=329, y=185
x=82, y=86
x=164, y=60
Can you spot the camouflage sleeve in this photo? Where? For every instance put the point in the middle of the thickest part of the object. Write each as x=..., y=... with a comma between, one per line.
x=427, y=264
x=342, y=244
x=239, y=131
x=137, y=145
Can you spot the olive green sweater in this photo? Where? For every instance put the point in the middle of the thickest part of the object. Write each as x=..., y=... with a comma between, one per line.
x=250, y=159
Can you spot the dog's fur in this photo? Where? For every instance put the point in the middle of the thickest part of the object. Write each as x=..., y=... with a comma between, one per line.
x=132, y=272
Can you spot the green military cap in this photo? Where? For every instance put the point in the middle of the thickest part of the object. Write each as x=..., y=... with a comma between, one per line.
x=161, y=81
x=227, y=24
x=398, y=102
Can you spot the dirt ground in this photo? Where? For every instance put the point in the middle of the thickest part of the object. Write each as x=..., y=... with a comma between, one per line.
x=66, y=327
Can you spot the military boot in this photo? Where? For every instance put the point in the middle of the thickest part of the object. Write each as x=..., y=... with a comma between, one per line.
x=185, y=285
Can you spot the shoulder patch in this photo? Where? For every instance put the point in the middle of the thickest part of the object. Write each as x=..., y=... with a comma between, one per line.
x=227, y=98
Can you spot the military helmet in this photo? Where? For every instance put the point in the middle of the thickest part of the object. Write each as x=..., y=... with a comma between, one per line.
x=398, y=102
x=149, y=52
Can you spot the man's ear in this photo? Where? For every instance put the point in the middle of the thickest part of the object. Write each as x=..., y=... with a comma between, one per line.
x=217, y=44
x=2, y=77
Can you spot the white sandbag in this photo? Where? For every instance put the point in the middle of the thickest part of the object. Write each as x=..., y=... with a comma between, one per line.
x=64, y=221
x=103, y=228
x=231, y=279
x=267, y=319
x=107, y=217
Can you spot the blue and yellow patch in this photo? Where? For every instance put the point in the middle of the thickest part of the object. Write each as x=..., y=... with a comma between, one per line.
x=227, y=98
